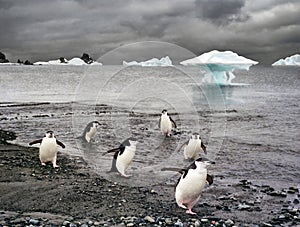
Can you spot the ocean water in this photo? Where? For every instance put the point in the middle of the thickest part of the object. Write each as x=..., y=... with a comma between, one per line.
x=251, y=128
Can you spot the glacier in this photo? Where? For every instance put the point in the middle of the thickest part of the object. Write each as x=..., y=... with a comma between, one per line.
x=219, y=65
x=164, y=61
x=291, y=60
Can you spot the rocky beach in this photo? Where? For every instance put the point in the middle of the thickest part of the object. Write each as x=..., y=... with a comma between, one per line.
x=74, y=195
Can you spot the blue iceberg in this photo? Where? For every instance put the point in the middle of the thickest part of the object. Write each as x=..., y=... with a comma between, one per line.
x=219, y=65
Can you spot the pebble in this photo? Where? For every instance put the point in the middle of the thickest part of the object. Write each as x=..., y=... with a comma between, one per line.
x=168, y=221
x=198, y=223
x=229, y=222
x=266, y=224
x=130, y=224
x=243, y=207
x=204, y=220
x=178, y=223
x=149, y=219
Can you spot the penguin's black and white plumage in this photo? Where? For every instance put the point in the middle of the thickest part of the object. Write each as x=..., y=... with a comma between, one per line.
x=123, y=156
x=190, y=185
x=166, y=123
x=192, y=147
x=48, y=148
x=89, y=131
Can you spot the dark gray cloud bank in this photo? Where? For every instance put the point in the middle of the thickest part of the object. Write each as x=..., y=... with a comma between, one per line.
x=42, y=30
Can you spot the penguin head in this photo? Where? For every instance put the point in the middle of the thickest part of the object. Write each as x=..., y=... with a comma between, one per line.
x=96, y=124
x=164, y=111
x=195, y=136
x=133, y=142
x=203, y=163
x=49, y=134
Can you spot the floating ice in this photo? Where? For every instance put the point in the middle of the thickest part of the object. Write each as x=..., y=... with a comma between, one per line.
x=73, y=61
x=165, y=61
x=292, y=60
x=220, y=65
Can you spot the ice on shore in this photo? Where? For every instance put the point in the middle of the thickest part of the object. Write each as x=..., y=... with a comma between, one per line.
x=291, y=60
x=220, y=65
x=164, y=61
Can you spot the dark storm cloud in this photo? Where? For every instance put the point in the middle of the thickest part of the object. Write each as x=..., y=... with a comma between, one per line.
x=43, y=30
x=220, y=11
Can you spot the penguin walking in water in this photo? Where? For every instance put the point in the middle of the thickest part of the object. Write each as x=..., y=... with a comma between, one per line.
x=48, y=148
x=166, y=123
x=89, y=131
x=192, y=147
x=190, y=185
x=123, y=156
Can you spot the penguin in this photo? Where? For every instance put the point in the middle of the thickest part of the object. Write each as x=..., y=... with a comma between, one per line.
x=123, y=156
x=89, y=131
x=191, y=183
x=48, y=148
x=166, y=123
x=192, y=147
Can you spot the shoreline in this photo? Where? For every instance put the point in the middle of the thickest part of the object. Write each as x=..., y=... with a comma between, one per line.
x=75, y=194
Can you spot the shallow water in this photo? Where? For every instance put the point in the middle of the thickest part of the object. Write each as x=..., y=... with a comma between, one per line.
x=251, y=131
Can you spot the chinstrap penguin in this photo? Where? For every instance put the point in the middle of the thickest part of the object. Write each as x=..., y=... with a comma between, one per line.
x=48, y=148
x=166, y=123
x=123, y=156
x=190, y=185
x=192, y=147
x=89, y=131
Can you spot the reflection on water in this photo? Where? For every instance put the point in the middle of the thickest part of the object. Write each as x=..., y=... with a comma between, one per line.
x=217, y=96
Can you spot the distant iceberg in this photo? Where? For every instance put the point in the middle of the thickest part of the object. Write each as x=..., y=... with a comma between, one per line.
x=64, y=61
x=220, y=65
x=292, y=60
x=165, y=61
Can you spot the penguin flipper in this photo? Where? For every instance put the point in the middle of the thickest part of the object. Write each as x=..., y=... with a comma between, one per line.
x=174, y=124
x=60, y=144
x=114, y=161
x=184, y=144
x=203, y=147
x=209, y=179
x=36, y=141
x=179, y=170
x=112, y=151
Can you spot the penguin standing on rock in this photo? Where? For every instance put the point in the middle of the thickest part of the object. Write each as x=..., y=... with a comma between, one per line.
x=166, y=123
x=48, y=148
x=190, y=185
x=89, y=131
x=123, y=156
x=192, y=147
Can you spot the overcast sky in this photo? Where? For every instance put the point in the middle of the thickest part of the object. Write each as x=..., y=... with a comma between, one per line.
x=263, y=30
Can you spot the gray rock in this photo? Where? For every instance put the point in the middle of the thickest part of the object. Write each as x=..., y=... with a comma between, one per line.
x=34, y=221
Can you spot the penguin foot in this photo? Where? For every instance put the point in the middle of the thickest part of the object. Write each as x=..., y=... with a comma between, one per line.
x=55, y=166
x=182, y=206
x=43, y=163
x=189, y=211
x=125, y=175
